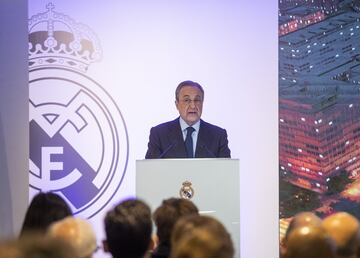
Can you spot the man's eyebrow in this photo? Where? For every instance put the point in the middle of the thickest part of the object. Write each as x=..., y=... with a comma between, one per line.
x=189, y=96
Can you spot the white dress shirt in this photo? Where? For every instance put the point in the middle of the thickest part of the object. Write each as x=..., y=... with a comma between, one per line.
x=194, y=135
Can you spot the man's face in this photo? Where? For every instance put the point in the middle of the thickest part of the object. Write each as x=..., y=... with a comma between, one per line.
x=190, y=104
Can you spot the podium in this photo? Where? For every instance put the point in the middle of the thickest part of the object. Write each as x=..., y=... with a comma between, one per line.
x=212, y=184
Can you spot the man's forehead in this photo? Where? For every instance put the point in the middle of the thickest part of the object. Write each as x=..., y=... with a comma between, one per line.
x=190, y=90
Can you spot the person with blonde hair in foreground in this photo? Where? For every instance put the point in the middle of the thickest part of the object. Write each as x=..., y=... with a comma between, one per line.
x=301, y=219
x=345, y=230
x=78, y=233
x=201, y=237
x=309, y=242
x=36, y=245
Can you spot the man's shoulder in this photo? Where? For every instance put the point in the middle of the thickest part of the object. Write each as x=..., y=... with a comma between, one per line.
x=167, y=125
x=211, y=127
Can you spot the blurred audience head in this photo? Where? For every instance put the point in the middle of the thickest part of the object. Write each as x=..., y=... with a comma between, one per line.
x=168, y=213
x=44, y=209
x=10, y=249
x=128, y=229
x=186, y=225
x=201, y=237
x=302, y=219
x=309, y=242
x=34, y=245
x=299, y=220
x=345, y=230
x=76, y=232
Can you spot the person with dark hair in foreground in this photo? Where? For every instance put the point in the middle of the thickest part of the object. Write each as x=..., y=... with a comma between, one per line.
x=44, y=209
x=165, y=217
x=188, y=136
x=201, y=237
x=128, y=229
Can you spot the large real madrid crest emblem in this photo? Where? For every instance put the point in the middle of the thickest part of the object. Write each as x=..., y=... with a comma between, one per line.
x=186, y=191
x=78, y=137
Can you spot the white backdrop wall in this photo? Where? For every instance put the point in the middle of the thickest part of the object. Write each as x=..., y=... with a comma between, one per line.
x=230, y=47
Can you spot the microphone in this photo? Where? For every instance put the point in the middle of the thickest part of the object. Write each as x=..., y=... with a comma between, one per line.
x=209, y=152
x=167, y=150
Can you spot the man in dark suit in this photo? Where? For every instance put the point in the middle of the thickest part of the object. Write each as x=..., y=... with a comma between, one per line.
x=188, y=136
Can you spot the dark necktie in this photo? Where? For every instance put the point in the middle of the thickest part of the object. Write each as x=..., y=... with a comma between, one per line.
x=189, y=142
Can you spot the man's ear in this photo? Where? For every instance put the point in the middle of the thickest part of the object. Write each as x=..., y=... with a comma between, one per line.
x=176, y=104
x=105, y=246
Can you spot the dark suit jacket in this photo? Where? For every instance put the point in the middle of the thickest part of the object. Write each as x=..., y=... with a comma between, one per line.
x=166, y=141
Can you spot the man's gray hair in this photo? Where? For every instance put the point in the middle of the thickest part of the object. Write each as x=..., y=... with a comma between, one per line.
x=188, y=83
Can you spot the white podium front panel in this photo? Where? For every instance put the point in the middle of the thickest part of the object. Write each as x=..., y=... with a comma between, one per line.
x=215, y=185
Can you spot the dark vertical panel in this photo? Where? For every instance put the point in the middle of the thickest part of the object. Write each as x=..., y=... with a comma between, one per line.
x=13, y=115
x=6, y=220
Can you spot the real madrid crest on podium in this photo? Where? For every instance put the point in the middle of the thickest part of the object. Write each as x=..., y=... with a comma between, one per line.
x=78, y=137
x=186, y=191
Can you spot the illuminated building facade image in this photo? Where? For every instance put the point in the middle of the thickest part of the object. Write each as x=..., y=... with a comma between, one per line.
x=319, y=140
x=319, y=106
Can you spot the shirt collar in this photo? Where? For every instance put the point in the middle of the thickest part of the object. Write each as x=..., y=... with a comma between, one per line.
x=184, y=125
